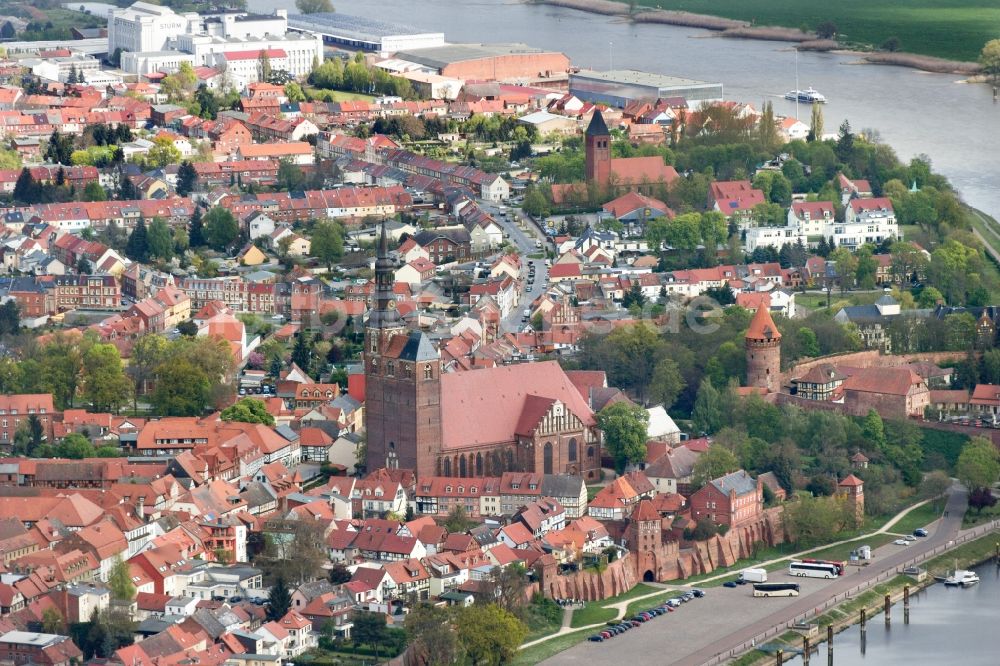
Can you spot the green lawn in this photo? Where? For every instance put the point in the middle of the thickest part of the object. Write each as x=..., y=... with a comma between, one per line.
x=594, y=612
x=919, y=517
x=971, y=518
x=644, y=604
x=954, y=29
x=542, y=651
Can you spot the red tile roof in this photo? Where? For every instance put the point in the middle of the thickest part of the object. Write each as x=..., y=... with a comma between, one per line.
x=762, y=327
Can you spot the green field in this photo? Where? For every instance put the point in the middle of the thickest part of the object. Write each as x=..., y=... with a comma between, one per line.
x=953, y=29
x=919, y=517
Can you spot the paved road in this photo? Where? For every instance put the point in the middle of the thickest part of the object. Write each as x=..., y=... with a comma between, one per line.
x=726, y=619
x=524, y=241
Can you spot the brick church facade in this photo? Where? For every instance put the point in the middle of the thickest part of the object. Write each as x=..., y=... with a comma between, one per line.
x=520, y=418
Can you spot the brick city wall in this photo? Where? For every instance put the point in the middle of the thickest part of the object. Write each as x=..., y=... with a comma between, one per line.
x=870, y=359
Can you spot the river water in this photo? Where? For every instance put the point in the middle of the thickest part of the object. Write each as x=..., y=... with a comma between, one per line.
x=956, y=125
x=947, y=626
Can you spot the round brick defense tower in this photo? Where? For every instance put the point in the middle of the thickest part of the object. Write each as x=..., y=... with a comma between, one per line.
x=763, y=345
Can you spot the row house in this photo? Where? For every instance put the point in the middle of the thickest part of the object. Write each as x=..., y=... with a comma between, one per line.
x=245, y=172
x=489, y=186
x=271, y=128
x=345, y=202
x=17, y=409
x=88, y=292
x=440, y=495
x=75, y=216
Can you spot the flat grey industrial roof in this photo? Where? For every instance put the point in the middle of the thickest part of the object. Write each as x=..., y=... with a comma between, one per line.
x=356, y=26
x=637, y=77
x=442, y=56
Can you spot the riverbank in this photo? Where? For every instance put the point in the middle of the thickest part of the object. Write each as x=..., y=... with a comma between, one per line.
x=848, y=613
x=736, y=29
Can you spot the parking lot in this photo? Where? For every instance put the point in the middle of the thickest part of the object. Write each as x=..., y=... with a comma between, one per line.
x=691, y=627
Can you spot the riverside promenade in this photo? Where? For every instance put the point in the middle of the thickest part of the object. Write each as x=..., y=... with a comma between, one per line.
x=727, y=622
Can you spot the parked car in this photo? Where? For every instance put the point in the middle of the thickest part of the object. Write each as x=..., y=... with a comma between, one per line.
x=729, y=583
x=698, y=593
x=597, y=638
x=901, y=542
x=910, y=537
x=920, y=532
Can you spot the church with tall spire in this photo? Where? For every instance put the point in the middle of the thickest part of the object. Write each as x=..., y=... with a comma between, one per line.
x=402, y=381
x=528, y=417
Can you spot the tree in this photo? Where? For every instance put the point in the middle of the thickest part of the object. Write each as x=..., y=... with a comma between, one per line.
x=52, y=621
x=935, y=484
x=182, y=389
x=339, y=574
x=767, y=129
x=845, y=143
x=248, y=410
x=160, y=240
x=94, y=192
x=9, y=159
x=279, y=601
x=327, y=242
x=221, y=228
x=981, y=498
x=60, y=368
x=707, y=413
x=10, y=317
x=891, y=44
x=624, y=427
x=301, y=353
x=874, y=430
x=458, y=520
x=489, y=634
x=148, y=353
x=506, y=587
x=814, y=520
x=75, y=447
x=369, y=628
x=105, y=385
x=120, y=581
x=826, y=30
x=162, y=153
x=978, y=464
x=715, y=462
x=26, y=189
x=137, y=248
x=666, y=384
x=289, y=176
x=196, y=229
x=989, y=58
x=187, y=178
x=431, y=633
x=314, y=6
x=816, y=122
x=535, y=203
x=293, y=91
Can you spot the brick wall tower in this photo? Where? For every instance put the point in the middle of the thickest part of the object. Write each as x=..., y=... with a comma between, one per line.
x=597, y=145
x=763, y=348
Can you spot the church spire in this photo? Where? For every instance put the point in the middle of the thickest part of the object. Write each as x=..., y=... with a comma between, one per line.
x=385, y=314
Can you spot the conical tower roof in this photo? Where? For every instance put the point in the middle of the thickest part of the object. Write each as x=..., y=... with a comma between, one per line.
x=597, y=126
x=762, y=326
